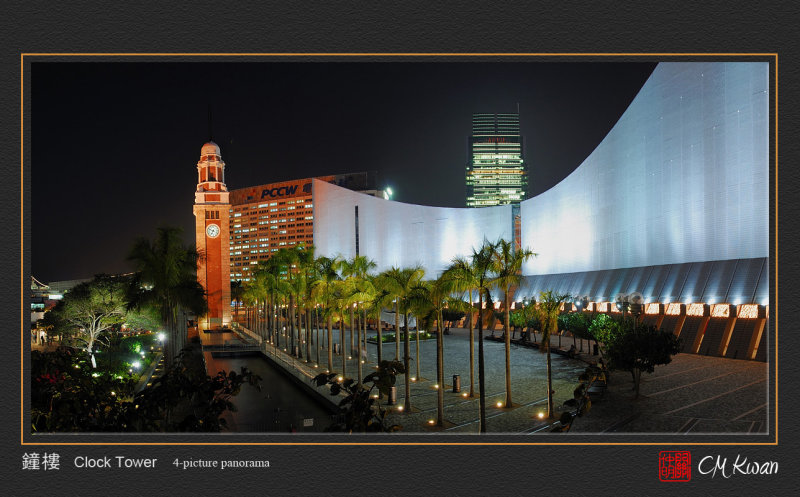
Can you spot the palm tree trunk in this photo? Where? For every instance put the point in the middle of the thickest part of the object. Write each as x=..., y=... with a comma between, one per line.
x=330, y=339
x=341, y=340
x=317, y=343
x=380, y=338
x=364, y=334
x=290, y=315
x=397, y=332
x=352, y=329
x=471, y=350
x=308, y=335
x=481, y=379
x=416, y=359
x=300, y=332
x=549, y=383
x=439, y=370
x=406, y=360
x=358, y=357
x=508, y=353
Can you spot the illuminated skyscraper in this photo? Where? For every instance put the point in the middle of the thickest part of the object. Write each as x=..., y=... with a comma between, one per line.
x=496, y=174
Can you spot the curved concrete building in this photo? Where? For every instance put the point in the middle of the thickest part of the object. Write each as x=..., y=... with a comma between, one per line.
x=672, y=204
x=681, y=178
x=347, y=223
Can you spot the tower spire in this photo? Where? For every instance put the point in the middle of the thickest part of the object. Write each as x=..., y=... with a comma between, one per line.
x=210, y=136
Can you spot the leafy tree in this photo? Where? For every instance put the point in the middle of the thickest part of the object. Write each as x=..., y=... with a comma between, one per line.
x=640, y=348
x=604, y=329
x=142, y=319
x=577, y=323
x=91, y=310
x=360, y=409
x=68, y=396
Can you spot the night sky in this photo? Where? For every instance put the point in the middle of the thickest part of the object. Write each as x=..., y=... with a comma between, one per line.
x=115, y=145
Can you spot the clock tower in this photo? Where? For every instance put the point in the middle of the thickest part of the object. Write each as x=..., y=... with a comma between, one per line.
x=211, y=214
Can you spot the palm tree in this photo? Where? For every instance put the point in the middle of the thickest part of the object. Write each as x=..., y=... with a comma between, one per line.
x=430, y=298
x=324, y=287
x=381, y=299
x=548, y=310
x=462, y=276
x=287, y=259
x=476, y=274
x=507, y=265
x=362, y=266
x=167, y=279
x=237, y=289
x=308, y=275
x=340, y=299
x=400, y=282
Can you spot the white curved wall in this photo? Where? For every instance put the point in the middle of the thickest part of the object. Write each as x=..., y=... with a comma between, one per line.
x=682, y=177
x=398, y=234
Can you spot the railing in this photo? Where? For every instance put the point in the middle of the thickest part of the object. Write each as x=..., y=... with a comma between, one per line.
x=242, y=329
x=298, y=367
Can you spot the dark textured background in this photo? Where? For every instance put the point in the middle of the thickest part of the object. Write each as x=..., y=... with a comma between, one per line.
x=467, y=26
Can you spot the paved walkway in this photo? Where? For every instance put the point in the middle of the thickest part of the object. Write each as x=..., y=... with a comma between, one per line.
x=693, y=394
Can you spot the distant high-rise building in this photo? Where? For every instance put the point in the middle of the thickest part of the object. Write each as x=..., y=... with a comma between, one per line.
x=496, y=173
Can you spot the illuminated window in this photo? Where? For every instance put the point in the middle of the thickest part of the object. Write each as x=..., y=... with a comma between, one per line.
x=694, y=310
x=747, y=311
x=651, y=309
x=720, y=311
x=673, y=309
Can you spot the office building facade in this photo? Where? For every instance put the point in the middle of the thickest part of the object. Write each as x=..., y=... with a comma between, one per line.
x=496, y=172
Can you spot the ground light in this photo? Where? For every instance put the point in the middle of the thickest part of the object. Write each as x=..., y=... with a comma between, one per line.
x=541, y=415
x=499, y=404
x=161, y=337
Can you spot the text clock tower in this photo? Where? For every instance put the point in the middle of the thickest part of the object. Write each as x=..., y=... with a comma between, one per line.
x=211, y=214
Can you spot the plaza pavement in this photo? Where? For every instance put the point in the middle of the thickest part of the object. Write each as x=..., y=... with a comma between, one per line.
x=693, y=394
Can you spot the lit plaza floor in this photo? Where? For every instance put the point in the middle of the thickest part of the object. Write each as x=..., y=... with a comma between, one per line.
x=693, y=394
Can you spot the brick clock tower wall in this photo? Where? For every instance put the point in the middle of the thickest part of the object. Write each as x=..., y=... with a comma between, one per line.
x=211, y=213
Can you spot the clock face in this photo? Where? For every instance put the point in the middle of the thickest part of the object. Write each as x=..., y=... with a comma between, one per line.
x=212, y=230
